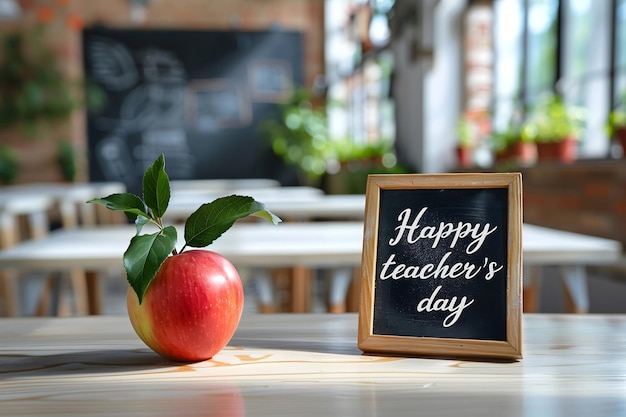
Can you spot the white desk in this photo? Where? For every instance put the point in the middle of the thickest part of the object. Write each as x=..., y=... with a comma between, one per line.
x=285, y=206
x=307, y=365
x=221, y=185
x=309, y=244
x=37, y=201
x=70, y=198
x=13, y=208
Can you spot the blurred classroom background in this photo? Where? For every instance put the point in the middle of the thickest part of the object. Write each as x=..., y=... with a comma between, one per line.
x=322, y=93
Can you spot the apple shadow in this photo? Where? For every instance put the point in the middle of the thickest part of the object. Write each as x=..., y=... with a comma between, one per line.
x=297, y=345
x=108, y=361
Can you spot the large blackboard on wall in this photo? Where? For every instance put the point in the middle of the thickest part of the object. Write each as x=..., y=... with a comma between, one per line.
x=198, y=97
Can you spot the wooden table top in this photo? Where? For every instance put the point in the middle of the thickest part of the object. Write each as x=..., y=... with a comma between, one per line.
x=306, y=365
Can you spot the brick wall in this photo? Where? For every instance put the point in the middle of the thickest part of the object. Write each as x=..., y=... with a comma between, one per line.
x=586, y=197
x=64, y=19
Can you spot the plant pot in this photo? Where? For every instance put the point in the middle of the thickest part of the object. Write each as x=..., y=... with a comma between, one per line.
x=465, y=156
x=620, y=136
x=564, y=151
x=520, y=153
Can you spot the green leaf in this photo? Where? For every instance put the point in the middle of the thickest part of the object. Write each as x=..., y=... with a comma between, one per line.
x=140, y=222
x=144, y=257
x=211, y=220
x=156, y=187
x=129, y=203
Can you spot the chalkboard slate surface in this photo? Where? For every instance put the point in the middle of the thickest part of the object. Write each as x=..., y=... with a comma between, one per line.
x=395, y=303
x=442, y=265
x=196, y=96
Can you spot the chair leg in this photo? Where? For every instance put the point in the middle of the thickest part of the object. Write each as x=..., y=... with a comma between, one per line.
x=9, y=293
x=339, y=283
x=78, y=279
x=574, y=279
x=43, y=305
x=262, y=279
x=94, y=298
x=354, y=292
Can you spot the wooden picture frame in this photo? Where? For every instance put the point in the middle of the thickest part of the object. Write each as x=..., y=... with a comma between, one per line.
x=425, y=239
x=271, y=80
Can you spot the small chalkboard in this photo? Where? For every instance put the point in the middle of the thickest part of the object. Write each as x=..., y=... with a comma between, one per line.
x=442, y=266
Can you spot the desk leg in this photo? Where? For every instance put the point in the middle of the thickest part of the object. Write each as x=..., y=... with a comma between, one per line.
x=300, y=293
x=93, y=293
x=9, y=293
x=79, y=289
x=574, y=279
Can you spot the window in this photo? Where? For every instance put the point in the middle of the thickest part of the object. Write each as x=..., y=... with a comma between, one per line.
x=541, y=53
x=508, y=65
x=585, y=67
x=619, y=92
x=563, y=46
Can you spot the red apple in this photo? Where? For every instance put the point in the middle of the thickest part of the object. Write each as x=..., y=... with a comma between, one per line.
x=191, y=308
x=186, y=306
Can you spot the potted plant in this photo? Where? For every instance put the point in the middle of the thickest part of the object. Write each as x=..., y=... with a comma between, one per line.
x=465, y=146
x=511, y=146
x=300, y=136
x=8, y=165
x=355, y=161
x=616, y=126
x=555, y=126
x=32, y=86
x=67, y=160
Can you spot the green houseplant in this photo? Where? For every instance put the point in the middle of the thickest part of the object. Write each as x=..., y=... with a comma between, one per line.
x=465, y=142
x=616, y=123
x=355, y=162
x=32, y=86
x=300, y=136
x=67, y=160
x=35, y=93
x=555, y=126
x=511, y=146
x=8, y=165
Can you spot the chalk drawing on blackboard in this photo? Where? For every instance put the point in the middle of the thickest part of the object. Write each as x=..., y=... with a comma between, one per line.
x=171, y=142
x=112, y=65
x=216, y=104
x=151, y=105
x=270, y=80
x=160, y=66
x=114, y=158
